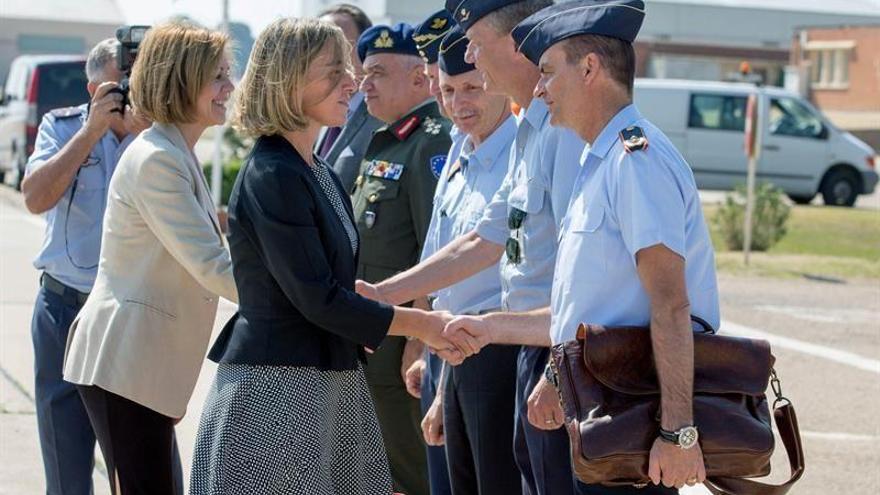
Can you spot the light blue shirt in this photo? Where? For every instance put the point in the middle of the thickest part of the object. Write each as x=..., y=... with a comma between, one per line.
x=72, y=241
x=463, y=192
x=624, y=202
x=543, y=166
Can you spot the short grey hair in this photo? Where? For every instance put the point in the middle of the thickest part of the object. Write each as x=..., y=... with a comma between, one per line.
x=506, y=18
x=102, y=54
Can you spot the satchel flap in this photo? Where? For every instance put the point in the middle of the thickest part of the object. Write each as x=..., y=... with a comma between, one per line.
x=622, y=359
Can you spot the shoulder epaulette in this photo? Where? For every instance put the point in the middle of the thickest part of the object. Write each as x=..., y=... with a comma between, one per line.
x=66, y=113
x=633, y=139
x=405, y=128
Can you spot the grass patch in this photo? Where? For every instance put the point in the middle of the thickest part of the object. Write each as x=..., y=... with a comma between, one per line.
x=821, y=241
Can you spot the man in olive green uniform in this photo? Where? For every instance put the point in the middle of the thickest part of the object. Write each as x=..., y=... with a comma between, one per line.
x=392, y=201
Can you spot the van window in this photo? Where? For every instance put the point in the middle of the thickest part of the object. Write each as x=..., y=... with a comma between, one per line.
x=722, y=112
x=789, y=117
x=61, y=85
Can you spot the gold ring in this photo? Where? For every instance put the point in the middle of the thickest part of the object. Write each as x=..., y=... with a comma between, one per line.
x=692, y=481
x=550, y=421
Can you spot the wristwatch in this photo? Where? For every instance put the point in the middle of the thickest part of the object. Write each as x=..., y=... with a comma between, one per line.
x=685, y=437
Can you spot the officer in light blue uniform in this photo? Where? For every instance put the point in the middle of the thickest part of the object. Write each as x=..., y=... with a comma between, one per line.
x=634, y=199
x=478, y=398
x=524, y=216
x=66, y=179
x=428, y=36
x=73, y=227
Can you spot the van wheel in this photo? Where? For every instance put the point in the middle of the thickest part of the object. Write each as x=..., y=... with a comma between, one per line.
x=840, y=187
x=801, y=200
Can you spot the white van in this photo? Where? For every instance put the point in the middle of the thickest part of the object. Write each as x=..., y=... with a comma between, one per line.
x=803, y=153
x=35, y=85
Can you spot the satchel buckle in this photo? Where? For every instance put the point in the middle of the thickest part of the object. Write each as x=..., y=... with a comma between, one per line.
x=776, y=385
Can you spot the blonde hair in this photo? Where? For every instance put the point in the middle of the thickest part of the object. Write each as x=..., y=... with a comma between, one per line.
x=174, y=63
x=269, y=98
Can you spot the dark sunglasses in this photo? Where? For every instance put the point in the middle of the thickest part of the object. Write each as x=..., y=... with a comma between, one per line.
x=512, y=247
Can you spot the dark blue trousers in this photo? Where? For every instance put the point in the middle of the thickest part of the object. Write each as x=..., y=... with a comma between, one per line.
x=67, y=440
x=478, y=421
x=438, y=472
x=543, y=456
x=66, y=437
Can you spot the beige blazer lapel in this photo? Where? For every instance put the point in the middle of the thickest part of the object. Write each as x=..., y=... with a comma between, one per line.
x=202, y=190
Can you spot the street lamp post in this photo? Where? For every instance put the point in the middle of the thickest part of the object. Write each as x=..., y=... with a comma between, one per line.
x=217, y=167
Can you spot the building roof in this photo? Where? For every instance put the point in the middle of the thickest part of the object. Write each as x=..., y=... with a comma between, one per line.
x=81, y=11
x=840, y=7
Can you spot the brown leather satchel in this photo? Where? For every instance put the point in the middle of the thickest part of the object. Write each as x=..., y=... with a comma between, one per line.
x=611, y=398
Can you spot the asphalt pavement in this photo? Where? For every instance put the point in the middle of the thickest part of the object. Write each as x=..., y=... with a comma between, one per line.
x=826, y=337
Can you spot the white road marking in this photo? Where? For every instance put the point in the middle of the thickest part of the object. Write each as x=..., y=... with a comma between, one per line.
x=839, y=437
x=824, y=315
x=820, y=351
x=37, y=221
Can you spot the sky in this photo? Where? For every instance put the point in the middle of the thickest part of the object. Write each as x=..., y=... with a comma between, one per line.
x=256, y=13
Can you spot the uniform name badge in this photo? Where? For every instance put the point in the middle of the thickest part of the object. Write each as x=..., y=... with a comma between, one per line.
x=385, y=170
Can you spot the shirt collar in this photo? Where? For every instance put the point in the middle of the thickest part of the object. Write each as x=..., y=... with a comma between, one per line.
x=610, y=133
x=536, y=113
x=489, y=150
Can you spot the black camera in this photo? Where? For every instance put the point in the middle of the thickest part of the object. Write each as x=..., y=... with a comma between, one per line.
x=130, y=39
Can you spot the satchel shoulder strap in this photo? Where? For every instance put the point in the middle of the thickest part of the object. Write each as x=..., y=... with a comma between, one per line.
x=786, y=422
x=707, y=328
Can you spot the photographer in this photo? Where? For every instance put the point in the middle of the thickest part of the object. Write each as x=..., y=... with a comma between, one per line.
x=67, y=176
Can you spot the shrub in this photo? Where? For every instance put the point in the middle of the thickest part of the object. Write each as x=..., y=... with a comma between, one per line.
x=769, y=218
x=230, y=172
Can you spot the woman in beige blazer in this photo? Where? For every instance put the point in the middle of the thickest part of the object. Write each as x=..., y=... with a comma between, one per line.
x=137, y=345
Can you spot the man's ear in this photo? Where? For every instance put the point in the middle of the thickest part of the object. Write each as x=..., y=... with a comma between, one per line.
x=91, y=88
x=419, y=78
x=589, y=68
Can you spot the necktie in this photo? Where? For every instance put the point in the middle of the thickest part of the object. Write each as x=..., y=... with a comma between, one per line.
x=329, y=138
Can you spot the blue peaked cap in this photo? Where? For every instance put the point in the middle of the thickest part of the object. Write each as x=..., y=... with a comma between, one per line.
x=387, y=39
x=452, y=50
x=467, y=12
x=619, y=19
x=430, y=32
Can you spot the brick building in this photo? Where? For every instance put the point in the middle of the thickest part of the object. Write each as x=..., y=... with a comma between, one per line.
x=839, y=68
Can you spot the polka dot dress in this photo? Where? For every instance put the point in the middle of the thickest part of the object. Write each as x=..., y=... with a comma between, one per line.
x=289, y=430
x=322, y=173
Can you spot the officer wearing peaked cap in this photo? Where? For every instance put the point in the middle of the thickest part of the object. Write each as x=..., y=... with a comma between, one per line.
x=479, y=395
x=392, y=202
x=634, y=222
x=428, y=36
x=519, y=227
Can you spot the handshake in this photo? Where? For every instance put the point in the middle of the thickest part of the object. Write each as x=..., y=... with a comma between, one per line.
x=452, y=338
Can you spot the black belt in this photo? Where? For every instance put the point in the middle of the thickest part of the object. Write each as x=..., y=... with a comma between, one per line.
x=69, y=294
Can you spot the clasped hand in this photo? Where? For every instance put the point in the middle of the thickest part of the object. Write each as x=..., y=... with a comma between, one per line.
x=451, y=338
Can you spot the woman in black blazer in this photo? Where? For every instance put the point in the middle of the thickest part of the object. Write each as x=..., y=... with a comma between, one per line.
x=289, y=410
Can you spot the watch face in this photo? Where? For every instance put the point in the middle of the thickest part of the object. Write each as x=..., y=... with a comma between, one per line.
x=687, y=437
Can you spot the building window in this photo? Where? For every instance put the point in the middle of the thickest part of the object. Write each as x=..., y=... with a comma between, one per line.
x=829, y=63
x=718, y=112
